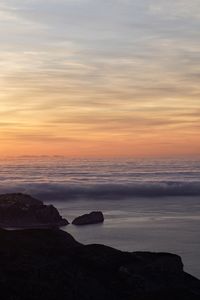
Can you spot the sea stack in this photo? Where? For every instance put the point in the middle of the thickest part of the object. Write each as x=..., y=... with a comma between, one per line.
x=21, y=210
x=94, y=217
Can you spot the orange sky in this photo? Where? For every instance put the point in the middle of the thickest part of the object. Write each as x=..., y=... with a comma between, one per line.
x=92, y=79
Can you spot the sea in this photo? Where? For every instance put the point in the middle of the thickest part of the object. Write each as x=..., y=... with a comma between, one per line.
x=148, y=204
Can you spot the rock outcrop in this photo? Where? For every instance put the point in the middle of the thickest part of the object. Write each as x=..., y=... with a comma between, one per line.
x=20, y=210
x=40, y=264
x=94, y=217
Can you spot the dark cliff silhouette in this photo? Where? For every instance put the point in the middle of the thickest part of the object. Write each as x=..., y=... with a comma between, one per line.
x=41, y=264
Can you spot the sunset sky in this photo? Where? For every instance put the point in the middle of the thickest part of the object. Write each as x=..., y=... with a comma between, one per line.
x=98, y=78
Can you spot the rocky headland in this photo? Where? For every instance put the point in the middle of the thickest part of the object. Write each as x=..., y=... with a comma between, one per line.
x=41, y=264
x=20, y=210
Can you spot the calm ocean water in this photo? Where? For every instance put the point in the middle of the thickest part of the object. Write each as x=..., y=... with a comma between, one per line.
x=148, y=204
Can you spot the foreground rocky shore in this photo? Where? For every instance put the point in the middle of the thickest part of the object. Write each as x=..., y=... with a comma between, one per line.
x=49, y=264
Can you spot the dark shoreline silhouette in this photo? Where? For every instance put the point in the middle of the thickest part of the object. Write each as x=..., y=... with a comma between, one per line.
x=41, y=264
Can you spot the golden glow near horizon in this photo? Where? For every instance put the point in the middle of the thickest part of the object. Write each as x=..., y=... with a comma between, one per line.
x=89, y=78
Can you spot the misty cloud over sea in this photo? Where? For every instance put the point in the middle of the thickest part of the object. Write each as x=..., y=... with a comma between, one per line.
x=50, y=191
x=63, y=179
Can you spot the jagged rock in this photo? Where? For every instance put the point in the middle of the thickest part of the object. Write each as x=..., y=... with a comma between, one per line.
x=92, y=218
x=20, y=210
x=49, y=264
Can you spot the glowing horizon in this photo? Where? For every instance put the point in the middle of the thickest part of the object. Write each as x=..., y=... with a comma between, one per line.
x=87, y=78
